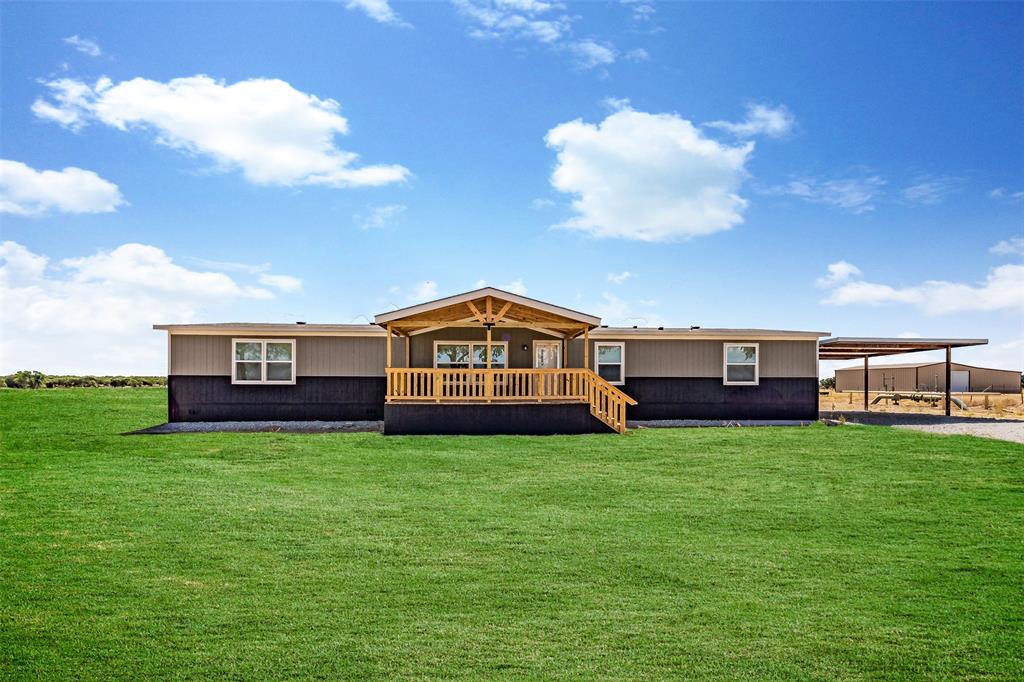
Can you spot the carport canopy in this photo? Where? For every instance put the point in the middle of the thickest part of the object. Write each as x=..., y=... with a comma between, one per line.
x=852, y=347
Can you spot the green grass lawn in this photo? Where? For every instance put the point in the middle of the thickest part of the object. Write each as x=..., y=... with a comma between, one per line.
x=850, y=553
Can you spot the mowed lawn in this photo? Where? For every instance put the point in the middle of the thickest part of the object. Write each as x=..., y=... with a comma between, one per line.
x=773, y=553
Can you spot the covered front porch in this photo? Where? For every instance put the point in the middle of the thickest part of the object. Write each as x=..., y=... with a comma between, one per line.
x=493, y=347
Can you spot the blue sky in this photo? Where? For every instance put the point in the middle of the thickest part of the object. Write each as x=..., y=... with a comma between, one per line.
x=653, y=163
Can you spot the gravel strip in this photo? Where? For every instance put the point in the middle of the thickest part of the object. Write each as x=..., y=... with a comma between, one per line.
x=263, y=427
x=983, y=427
x=699, y=423
x=1011, y=431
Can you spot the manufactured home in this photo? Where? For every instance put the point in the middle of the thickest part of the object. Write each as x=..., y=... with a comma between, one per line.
x=929, y=376
x=488, y=361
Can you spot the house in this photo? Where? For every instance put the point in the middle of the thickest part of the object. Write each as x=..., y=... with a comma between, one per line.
x=488, y=361
x=929, y=376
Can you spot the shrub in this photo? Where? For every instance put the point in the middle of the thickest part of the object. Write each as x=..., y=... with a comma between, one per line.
x=25, y=379
x=32, y=379
x=829, y=383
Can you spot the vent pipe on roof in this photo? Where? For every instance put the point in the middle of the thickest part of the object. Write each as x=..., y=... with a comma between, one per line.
x=300, y=323
x=694, y=326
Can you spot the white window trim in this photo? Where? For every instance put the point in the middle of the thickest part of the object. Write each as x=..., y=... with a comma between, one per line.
x=725, y=363
x=263, y=381
x=622, y=358
x=471, y=344
x=547, y=343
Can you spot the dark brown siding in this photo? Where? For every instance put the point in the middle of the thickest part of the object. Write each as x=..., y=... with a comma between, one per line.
x=423, y=344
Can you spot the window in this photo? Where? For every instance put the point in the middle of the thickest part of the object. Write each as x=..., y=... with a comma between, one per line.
x=741, y=364
x=610, y=361
x=263, y=361
x=462, y=355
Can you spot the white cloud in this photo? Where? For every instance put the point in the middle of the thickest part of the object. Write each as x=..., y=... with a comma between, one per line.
x=544, y=22
x=638, y=54
x=273, y=133
x=1003, y=193
x=94, y=314
x=541, y=204
x=84, y=45
x=378, y=10
x=930, y=191
x=588, y=54
x=424, y=291
x=619, y=277
x=618, y=312
x=514, y=287
x=285, y=283
x=140, y=265
x=838, y=272
x=1014, y=246
x=857, y=195
x=26, y=191
x=642, y=10
x=378, y=217
x=1002, y=289
x=650, y=177
x=761, y=120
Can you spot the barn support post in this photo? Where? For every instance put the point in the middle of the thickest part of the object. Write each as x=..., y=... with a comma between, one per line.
x=865, y=383
x=949, y=374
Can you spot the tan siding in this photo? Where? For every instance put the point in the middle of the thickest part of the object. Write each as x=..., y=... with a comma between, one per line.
x=314, y=355
x=1006, y=381
x=927, y=378
x=789, y=359
x=703, y=358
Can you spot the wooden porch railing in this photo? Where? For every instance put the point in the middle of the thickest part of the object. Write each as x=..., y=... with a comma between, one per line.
x=607, y=402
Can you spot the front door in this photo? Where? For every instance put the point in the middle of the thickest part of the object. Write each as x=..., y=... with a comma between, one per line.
x=547, y=354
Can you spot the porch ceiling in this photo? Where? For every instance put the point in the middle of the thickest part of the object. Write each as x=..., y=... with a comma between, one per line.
x=486, y=307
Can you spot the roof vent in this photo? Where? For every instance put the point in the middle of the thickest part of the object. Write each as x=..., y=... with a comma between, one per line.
x=661, y=329
x=634, y=326
x=300, y=323
x=604, y=326
x=694, y=326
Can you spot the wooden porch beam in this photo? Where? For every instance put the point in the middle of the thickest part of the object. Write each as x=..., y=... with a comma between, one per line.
x=476, y=312
x=501, y=313
x=586, y=347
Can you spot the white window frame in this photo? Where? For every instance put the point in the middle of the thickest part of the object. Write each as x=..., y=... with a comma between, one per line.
x=621, y=363
x=725, y=363
x=548, y=342
x=263, y=381
x=471, y=344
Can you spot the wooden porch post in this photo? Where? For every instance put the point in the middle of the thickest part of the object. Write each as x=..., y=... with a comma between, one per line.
x=586, y=347
x=865, y=383
x=949, y=374
x=489, y=341
x=387, y=352
x=408, y=351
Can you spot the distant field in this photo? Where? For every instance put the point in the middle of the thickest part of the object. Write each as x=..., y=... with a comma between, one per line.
x=994, y=405
x=818, y=552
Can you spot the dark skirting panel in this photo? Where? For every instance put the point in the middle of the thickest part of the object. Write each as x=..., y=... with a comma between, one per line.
x=215, y=398
x=782, y=398
x=483, y=419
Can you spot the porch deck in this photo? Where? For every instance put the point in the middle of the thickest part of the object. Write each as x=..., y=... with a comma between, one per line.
x=447, y=386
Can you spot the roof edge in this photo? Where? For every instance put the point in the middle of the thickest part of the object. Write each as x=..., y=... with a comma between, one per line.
x=454, y=299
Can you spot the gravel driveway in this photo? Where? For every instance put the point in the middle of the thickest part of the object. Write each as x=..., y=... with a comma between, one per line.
x=1001, y=429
